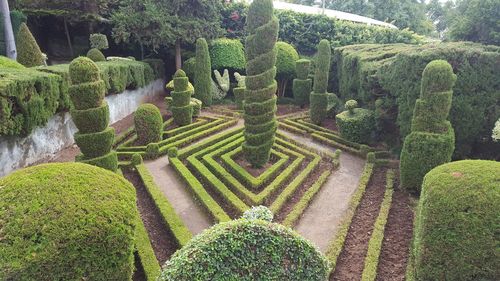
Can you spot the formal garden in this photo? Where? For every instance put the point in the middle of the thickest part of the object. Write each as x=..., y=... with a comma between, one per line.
x=202, y=140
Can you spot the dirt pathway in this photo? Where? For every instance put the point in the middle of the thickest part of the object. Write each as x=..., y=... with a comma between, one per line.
x=193, y=215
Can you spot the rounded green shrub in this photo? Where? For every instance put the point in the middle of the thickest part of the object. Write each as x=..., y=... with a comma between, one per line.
x=203, y=73
x=148, y=124
x=152, y=150
x=355, y=124
x=350, y=105
x=28, y=51
x=136, y=159
x=182, y=111
x=285, y=60
x=82, y=70
x=196, y=105
x=173, y=152
x=456, y=229
x=258, y=213
x=95, y=55
x=432, y=139
x=98, y=41
x=247, y=250
x=302, y=84
x=66, y=221
x=319, y=97
x=260, y=101
x=5, y=62
x=227, y=54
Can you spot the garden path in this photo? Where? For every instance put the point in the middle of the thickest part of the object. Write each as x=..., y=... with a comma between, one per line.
x=320, y=221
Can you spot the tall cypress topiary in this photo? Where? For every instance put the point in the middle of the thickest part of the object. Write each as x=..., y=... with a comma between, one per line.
x=432, y=139
x=28, y=51
x=202, y=73
x=260, y=99
x=302, y=84
x=91, y=115
x=182, y=110
x=319, y=96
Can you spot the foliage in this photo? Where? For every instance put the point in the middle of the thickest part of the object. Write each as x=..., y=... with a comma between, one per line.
x=302, y=84
x=247, y=250
x=5, y=62
x=260, y=99
x=319, y=96
x=95, y=55
x=285, y=65
x=432, y=140
x=355, y=124
x=227, y=53
x=66, y=222
x=234, y=15
x=222, y=84
x=202, y=73
x=28, y=51
x=76, y=11
x=98, y=41
x=182, y=111
x=258, y=213
x=87, y=92
x=148, y=124
x=463, y=196
x=189, y=67
x=136, y=159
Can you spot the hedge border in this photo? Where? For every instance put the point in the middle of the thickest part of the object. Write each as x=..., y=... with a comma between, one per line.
x=145, y=252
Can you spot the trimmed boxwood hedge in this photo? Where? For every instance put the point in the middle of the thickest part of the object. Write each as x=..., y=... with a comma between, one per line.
x=247, y=250
x=302, y=84
x=66, y=221
x=456, y=228
x=148, y=124
x=91, y=119
x=355, y=124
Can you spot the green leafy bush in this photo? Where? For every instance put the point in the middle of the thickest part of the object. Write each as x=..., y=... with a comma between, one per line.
x=189, y=67
x=258, y=213
x=98, y=41
x=182, y=111
x=456, y=229
x=203, y=73
x=8, y=63
x=302, y=84
x=96, y=55
x=319, y=96
x=260, y=99
x=247, y=250
x=148, y=124
x=285, y=65
x=28, y=51
x=355, y=124
x=87, y=92
x=432, y=140
x=136, y=159
x=227, y=54
x=66, y=222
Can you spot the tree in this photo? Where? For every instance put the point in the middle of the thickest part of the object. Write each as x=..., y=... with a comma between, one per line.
x=29, y=53
x=167, y=22
x=9, y=32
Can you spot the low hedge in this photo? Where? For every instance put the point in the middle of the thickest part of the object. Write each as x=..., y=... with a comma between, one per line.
x=247, y=250
x=456, y=228
x=66, y=222
x=148, y=124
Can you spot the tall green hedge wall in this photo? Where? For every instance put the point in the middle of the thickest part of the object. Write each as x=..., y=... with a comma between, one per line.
x=29, y=97
x=387, y=78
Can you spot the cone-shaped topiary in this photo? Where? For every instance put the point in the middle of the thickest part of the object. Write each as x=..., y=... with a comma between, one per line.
x=456, y=227
x=203, y=73
x=302, y=84
x=319, y=96
x=355, y=124
x=432, y=139
x=95, y=55
x=182, y=110
x=148, y=124
x=91, y=115
x=260, y=98
x=28, y=51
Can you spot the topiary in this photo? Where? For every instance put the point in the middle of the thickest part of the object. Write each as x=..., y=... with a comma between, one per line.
x=432, y=139
x=258, y=213
x=182, y=110
x=91, y=115
x=152, y=150
x=189, y=67
x=148, y=124
x=227, y=54
x=28, y=51
x=302, y=84
x=196, y=105
x=202, y=73
x=355, y=124
x=172, y=152
x=136, y=159
x=239, y=92
x=247, y=250
x=456, y=228
x=68, y=221
x=260, y=98
x=98, y=41
x=285, y=65
x=5, y=62
x=221, y=84
x=319, y=96
x=95, y=55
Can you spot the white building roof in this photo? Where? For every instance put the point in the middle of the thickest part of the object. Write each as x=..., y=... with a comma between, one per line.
x=330, y=13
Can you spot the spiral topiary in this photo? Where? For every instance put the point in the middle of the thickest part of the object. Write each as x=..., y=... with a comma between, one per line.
x=319, y=96
x=148, y=124
x=432, y=139
x=66, y=221
x=260, y=99
x=302, y=84
x=28, y=51
x=95, y=55
x=91, y=115
x=355, y=124
x=202, y=73
x=182, y=110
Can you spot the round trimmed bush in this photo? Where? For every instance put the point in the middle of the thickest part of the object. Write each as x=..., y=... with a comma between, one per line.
x=152, y=150
x=82, y=70
x=285, y=61
x=246, y=250
x=456, y=230
x=68, y=221
x=28, y=51
x=227, y=54
x=355, y=124
x=258, y=213
x=98, y=41
x=173, y=152
x=95, y=55
x=148, y=124
x=136, y=159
